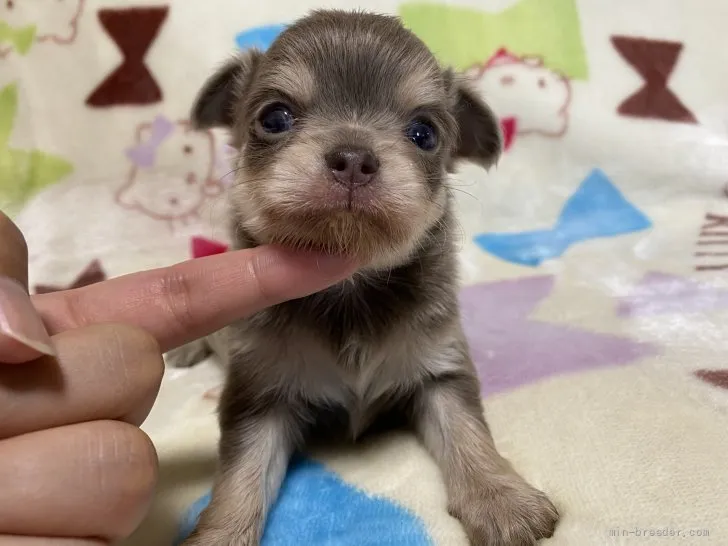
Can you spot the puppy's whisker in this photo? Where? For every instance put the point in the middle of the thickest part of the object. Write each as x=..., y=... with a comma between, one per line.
x=465, y=193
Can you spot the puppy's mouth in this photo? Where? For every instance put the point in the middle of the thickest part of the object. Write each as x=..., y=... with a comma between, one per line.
x=350, y=222
x=360, y=201
x=345, y=230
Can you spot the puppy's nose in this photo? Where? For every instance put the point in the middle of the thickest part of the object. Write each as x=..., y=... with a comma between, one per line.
x=352, y=167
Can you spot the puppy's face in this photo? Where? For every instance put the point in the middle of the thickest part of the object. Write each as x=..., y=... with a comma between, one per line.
x=346, y=128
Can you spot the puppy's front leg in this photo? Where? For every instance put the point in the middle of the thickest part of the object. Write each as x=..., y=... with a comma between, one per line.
x=495, y=505
x=254, y=453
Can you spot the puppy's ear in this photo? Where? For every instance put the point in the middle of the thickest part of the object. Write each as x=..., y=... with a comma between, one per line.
x=217, y=100
x=479, y=134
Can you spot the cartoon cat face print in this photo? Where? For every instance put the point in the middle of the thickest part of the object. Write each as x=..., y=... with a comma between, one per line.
x=173, y=171
x=524, y=89
x=52, y=20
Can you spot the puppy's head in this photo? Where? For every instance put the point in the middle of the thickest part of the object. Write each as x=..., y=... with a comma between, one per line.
x=346, y=128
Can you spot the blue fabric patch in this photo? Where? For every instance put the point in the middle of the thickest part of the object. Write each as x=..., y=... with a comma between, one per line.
x=315, y=506
x=189, y=520
x=259, y=37
x=597, y=209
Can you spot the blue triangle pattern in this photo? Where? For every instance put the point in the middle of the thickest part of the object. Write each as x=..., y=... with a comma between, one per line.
x=597, y=209
x=315, y=506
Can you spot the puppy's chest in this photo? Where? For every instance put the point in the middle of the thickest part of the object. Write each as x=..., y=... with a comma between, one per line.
x=372, y=385
x=361, y=374
x=365, y=382
x=354, y=354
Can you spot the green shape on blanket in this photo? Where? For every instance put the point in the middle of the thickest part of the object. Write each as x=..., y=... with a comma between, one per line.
x=23, y=172
x=462, y=37
x=21, y=39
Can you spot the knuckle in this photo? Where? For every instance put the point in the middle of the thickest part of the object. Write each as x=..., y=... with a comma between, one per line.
x=176, y=293
x=255, y=272
x=73, y=310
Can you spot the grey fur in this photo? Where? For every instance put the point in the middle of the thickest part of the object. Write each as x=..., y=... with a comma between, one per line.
x=384, y=348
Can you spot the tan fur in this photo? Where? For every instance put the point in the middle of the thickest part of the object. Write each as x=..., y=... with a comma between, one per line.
x=252, y=482
x=419, y=88
x=496, y=505
x=292, y=79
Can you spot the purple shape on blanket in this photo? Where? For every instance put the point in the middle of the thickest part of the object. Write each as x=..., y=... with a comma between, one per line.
x=510, y=350
x=144, y=154
x=660, y=293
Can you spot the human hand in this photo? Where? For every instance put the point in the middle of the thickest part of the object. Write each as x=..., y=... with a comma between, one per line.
x=80, y=369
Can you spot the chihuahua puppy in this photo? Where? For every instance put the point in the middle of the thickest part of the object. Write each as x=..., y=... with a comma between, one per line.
x=346, y=129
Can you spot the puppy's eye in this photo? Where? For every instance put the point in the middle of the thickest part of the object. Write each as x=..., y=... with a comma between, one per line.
x=422, y=134
x=277, y=118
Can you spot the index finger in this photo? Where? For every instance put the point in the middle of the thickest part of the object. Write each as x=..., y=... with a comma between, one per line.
x=192, y=299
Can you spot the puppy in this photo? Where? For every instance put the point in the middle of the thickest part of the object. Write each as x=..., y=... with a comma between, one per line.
x=346, y=128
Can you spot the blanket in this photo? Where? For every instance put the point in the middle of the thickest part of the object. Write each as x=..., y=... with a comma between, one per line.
x=594, y=257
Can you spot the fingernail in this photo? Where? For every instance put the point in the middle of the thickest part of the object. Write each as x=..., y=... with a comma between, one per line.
x=20, y=321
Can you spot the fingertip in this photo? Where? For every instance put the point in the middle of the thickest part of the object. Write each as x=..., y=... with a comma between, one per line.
x=284, y=274
x=334, y=266
x=91, y=479
x=337, y=266
x=270, y=275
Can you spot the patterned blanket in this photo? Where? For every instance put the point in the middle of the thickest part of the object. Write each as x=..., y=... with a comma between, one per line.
x=595, y=256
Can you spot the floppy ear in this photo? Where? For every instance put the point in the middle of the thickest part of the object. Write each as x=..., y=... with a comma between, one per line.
x=217, y=100
x=479, y=134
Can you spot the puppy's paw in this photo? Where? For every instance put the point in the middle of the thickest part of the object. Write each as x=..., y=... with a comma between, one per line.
x=188, y=355
x=505, y=511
